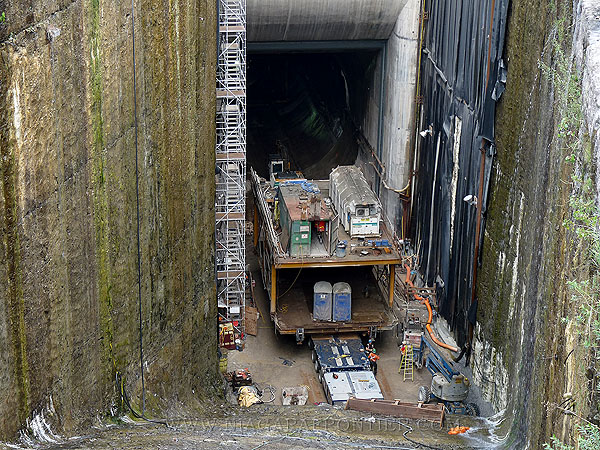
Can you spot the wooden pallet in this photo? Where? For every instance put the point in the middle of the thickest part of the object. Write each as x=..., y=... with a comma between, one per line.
x=432, y=413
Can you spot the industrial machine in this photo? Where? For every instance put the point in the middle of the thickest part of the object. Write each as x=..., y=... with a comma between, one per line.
x=296, y=227
x=279, y=171
x=304, y=219
x=357, y=205
x=447, y=385
x=343, y=368
x=410, y=330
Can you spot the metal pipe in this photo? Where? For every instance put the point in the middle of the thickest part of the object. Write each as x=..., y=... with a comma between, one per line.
x=381, y=109
x=256, y=228
x=418, y=113
x=392, y=282
x=437, y=155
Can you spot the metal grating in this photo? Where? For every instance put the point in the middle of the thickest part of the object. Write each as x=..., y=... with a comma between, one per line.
x=230, y=204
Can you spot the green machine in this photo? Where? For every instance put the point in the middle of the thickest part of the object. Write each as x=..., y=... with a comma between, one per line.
x=294, y=219
x=300, y=238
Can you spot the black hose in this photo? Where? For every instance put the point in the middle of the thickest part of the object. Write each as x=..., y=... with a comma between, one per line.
x=417, y=443
x=137, y=415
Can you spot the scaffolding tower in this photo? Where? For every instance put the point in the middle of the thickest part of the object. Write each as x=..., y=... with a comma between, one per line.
x=230, y=204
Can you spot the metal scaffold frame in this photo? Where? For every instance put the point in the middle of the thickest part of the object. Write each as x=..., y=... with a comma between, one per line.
x=230, y=203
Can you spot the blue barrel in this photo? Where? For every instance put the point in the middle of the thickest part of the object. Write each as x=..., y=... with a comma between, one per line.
x=342, y=302
x=340, y=250
x=322, y=295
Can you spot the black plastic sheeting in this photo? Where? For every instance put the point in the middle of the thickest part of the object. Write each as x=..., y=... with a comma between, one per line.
x=454, y=70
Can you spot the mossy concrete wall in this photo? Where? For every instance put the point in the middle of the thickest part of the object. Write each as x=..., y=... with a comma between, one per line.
x=68, y=248
x=526, y=354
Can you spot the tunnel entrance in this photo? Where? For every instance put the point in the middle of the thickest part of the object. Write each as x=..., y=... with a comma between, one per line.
x=309, y=107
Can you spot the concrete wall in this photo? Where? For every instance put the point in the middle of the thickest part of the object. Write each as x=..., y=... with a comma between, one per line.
x=68, y=252
x=399, y=91
x=307, y=20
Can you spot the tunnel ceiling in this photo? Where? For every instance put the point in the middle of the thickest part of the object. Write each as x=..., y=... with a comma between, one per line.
x=301, y=20
x=304, y=106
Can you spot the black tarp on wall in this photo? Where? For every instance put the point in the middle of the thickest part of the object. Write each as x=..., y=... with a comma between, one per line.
x=454, y=71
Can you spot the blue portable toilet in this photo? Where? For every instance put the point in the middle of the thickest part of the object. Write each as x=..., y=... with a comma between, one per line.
x=322, y=294
x=342, y=302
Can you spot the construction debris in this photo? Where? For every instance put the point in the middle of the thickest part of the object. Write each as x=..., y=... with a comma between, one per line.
x=247, y=396
x=239, y=378
x=458, y=430
x=432, y=413
x=295, y=395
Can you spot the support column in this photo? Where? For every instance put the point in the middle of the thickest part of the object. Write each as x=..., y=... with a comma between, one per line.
x=392, y=283
x=273, y=289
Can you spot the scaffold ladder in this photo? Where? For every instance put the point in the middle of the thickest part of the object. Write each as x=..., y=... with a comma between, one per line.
x=230, y=201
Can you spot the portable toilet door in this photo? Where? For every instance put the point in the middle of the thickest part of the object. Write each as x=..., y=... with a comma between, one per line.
x=322, y=300
x=342, y=302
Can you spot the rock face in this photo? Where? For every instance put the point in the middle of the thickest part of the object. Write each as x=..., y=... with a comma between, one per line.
x=527, y=354
x=69, y=318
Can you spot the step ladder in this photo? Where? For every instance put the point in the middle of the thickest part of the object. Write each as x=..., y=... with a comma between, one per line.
x=407, y=363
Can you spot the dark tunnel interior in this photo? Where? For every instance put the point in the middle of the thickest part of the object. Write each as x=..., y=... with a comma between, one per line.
x=306, y=107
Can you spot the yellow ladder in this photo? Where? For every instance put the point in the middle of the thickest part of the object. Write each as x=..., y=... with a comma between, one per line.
x=406, y=364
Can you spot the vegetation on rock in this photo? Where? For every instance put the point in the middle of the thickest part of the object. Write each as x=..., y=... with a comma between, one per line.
x=583, y=223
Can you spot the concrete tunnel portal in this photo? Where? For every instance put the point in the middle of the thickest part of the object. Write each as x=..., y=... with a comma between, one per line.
x=324, y=76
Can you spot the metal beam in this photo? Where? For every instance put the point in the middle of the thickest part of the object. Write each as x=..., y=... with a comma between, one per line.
x=314, y=46
x=335, y=263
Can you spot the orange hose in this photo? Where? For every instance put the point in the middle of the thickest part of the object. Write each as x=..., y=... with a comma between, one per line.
x=425, y=301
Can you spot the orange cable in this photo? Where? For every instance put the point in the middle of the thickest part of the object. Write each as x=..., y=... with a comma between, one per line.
x=425, y=301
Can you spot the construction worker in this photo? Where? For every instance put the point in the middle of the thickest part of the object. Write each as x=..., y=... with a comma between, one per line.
x=373, y=357
x=369, y=347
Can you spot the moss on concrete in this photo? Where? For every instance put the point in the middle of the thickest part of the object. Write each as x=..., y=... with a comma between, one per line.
x=100, y=200
x=73, y=209
x=14, y=302
x=527, y=253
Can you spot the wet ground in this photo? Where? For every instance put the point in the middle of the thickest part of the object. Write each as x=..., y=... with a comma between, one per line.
x=273, y=427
